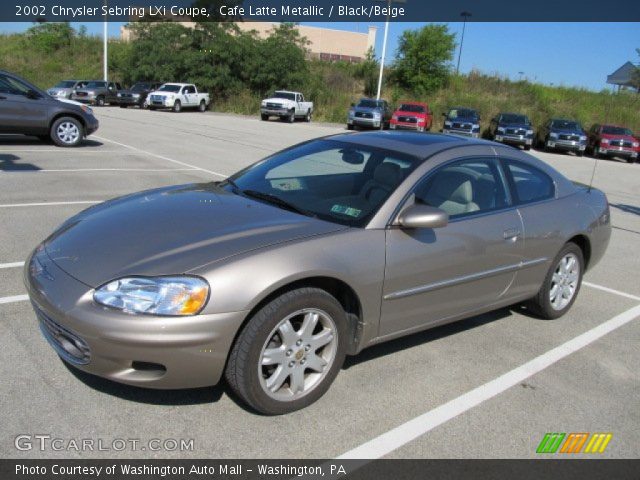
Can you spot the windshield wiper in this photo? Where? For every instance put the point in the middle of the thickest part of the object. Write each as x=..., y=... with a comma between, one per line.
x=275, y=200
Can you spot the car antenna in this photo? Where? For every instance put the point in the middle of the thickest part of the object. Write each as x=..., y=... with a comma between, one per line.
x=593, y=173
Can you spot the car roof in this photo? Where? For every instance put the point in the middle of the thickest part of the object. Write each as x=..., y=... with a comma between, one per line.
x=419, y=145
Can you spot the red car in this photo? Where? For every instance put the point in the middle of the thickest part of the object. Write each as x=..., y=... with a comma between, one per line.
x=413, y=116
x=613, y=141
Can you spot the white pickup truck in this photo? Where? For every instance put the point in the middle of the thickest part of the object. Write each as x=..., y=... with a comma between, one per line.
x=177, y=96
x=286, y=105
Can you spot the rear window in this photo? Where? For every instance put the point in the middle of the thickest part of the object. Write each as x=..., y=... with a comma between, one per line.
x=529, y=184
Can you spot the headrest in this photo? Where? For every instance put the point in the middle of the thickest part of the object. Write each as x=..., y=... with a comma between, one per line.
x=388, y=174
x=453, y=186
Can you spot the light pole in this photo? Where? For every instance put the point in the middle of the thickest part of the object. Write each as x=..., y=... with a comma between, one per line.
x=384, y=43
x=105, y=47
x=521, y=75
x=464, y=16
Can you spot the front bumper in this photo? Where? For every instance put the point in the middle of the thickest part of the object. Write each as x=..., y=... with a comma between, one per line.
x=463, y=133
x=365, y=122
x=275, y=112
x=514, y=139
x=618, y=152
x=567, y=145
x=130, y=101
x=91, y=124
x=395, y=125
x=141, y=350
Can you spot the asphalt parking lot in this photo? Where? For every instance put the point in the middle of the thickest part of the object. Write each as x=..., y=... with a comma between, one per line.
x=447, y=392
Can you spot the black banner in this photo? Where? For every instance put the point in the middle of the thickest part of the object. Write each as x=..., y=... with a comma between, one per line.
x=325, y=469
x=320, y=10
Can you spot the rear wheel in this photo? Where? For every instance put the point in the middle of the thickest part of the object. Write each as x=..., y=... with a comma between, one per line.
x=561, y=285
x=203, y=106
x=67, y=132
x=307, y=117
x=290, y=351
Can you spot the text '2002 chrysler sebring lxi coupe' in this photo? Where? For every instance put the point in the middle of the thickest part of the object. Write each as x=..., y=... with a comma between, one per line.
x=272, y=276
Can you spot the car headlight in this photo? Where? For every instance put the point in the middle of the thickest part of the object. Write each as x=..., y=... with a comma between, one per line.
x=86, y=109
x=476, y=127
x=604, y=140
x=553, y=135
x=135, y=95
x=583, y=138
x=174, y=296
x=394, y=117
x=636, y=144
x=376, y=114
x=529, y=132
x=447, y=123
x=500, y=130
x=351, y=113
x=263, y=103
x=119, y=95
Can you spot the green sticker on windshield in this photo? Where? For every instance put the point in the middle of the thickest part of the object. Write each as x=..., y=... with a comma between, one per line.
x=344, y=210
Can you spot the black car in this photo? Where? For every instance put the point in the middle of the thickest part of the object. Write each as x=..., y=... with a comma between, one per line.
x=137, y=94
x=462, y=121
x=512, y=129
x=561, y=134
x=27, y=110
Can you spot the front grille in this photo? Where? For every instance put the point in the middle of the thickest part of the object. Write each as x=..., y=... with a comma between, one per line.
x=364, y=115
x=408, y=119
x=275, y=106
x=620, y=143
x=462, y=126
x=67, y=344
x=126, y=95
x=573, y=138
x=515, y=131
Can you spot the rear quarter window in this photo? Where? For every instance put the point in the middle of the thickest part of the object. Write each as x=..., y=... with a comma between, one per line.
x=528, y=183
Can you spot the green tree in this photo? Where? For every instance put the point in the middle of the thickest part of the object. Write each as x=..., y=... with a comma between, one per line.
x=367, y=71
x=50, y=37
x=423, y=58
x=635, y=77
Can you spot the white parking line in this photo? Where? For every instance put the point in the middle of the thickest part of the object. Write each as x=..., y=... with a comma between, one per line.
x=611, y=290
x=47, y=204
x=161, y=157
x=11, y=265
x=63, y=170
x=14, y=299
x=409, y=431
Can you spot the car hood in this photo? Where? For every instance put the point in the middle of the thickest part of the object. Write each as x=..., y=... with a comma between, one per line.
x=628, y=138
x=171, y=231
x=406, y=113
x=566, y=131
x=367, y=109
x=473, y=121
x=523, y=126
x=140, y=92
x=281, y=101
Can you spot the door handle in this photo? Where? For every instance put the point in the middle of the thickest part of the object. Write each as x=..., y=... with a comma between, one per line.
x=511, y=234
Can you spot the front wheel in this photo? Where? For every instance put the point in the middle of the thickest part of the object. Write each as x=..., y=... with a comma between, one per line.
x=123, y=106
x=264, y=117
x=292, y=117
x=349, y=126
x=67, y=132
x=561, y=285
x=177, y=106
x=290, y=351
x=100, y=101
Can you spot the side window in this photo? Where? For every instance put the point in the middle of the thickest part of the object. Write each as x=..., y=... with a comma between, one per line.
x=464, y=187
x=529, y=184
x=13, y=87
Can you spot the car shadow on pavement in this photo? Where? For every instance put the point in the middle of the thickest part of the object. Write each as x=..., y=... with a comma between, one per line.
x=23, y=140
x=626, y=208
x=192, y=396
x=415, y=339
x=8, y=164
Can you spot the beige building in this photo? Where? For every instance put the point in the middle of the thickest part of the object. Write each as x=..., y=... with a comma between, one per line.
x=324, y=43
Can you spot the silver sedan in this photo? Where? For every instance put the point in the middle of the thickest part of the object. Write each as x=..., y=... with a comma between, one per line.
x=271, y=277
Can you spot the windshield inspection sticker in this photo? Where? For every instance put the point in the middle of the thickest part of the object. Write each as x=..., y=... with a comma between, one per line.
x=343, y=209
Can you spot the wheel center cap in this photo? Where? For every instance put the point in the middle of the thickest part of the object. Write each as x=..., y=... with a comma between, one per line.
x=299, y=354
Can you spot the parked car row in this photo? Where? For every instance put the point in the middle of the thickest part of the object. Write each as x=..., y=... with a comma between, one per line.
x=515, y=129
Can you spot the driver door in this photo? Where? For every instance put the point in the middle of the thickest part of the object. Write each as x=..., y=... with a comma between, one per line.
x=432, y=275
x=20, y=113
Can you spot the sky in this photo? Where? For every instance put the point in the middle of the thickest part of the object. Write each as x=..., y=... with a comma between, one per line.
x=570, y=54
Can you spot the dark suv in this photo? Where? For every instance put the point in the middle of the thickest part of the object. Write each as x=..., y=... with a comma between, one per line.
x=512, y=129
x=137, y=94
x=560, y=134
x=462, y=121
x=97, y=92
x=27, y=110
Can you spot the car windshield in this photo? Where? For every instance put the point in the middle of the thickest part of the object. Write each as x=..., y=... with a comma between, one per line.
x=170, y=88
x=512, y=118
x=334, y=181
x=616, y=131
x=566, y=125
x=462, y=113
x=410, y=107
x=140, y=87
x=65, y=84
x=96, y=84
x=285, y=95
x=366, y=103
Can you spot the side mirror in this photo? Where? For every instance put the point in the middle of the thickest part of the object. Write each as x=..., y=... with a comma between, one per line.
x=422, y=216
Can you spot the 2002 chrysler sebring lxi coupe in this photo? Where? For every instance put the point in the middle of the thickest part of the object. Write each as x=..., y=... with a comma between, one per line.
x=275, y=274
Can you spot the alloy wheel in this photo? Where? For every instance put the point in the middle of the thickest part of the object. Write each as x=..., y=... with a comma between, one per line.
x=564, y=282
x=298, y=354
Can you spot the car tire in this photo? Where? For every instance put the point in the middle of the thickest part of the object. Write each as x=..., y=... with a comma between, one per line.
x=202, y=107
x=307, y=117
x=67, y=132
x=349, y=127
x=264, y=117
x=291, y=117
x=580, y=153
x=100, y=101
x=564, y=276
x=250, y=368
x=123, y=106
x=151, y=108
x=177, y=106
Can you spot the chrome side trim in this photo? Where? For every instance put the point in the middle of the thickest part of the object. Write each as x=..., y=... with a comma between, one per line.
x=463, y=279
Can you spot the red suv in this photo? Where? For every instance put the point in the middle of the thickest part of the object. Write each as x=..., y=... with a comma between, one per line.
x=413, y=116
x=613, y=141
